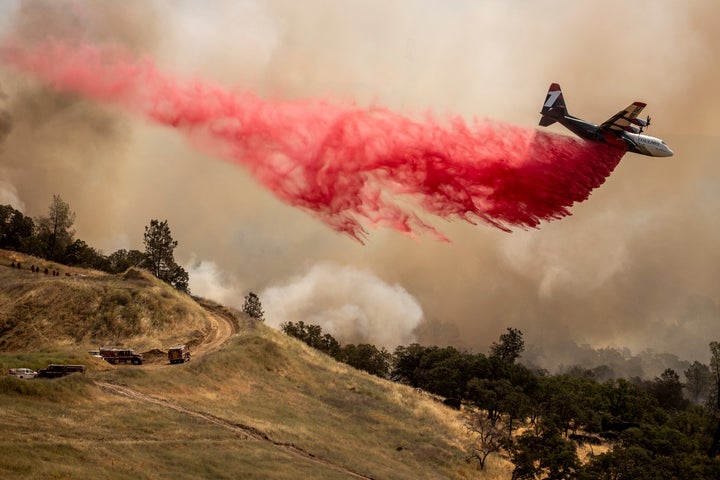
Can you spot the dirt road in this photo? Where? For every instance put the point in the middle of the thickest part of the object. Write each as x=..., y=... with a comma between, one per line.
x=247, y=432
x=223, y=324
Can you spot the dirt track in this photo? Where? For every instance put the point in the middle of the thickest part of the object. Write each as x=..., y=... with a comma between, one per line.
x=247, y=432
x=223, y=325
x=221, y=329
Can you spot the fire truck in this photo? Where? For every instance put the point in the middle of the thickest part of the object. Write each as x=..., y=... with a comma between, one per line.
x=121, y=355
x=179, y=354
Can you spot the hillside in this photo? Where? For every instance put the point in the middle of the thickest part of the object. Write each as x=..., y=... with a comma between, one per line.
x=87, y=309
x=257, y=405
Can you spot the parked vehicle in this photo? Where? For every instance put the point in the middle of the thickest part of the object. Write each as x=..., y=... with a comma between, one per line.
x=22, y=373
x=54, y=370
x=95, y=353
x=121, y=355
x=179, y=354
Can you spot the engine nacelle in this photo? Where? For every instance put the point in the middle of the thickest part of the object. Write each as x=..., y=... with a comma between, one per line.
x=641, y=122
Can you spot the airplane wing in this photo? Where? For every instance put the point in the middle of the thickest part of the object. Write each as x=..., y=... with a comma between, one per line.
x=624, y=118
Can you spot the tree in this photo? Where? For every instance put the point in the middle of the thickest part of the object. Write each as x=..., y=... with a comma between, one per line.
x=121, y=260
x=713, y=401
x=179, y=279
x=252, y=307
x=442, y=372
x=159, y=254
x=80, y=254
x=312, y=335
x=650, y=452
x=621, y=463
x=407, y=364
x=515, y=405
x=624, y=402
x=16, y=230
x=368, y=358
x=545, y=455
x=510, y=346
x=697, y=382
x=488, y=437
x=487, y=395
x=667, y=390
x=55, y=230
x=159, y=248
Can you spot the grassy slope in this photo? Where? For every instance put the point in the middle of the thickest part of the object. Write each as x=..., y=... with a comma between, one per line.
x=295, y=395
x=89, y=309
x=71, y=428
x=54, y=433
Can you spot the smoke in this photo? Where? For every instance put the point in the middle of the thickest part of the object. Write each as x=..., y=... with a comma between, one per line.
x=8, y=192
x=208, y=281
x=345, y=164
x=352, y=305
x=634, y=266
x=61, y=144
x=5, y=123
x=9, y=195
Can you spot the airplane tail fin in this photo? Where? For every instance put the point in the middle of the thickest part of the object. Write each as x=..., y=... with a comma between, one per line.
x=553, y=107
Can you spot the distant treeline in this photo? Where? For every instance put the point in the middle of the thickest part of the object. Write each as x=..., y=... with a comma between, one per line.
x=661, y=428
x=52, y=238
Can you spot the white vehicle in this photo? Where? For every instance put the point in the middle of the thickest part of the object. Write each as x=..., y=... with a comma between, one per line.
x=22, y=373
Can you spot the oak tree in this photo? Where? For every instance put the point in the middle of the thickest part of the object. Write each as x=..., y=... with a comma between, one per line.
x=510, y=346
x=253, y=307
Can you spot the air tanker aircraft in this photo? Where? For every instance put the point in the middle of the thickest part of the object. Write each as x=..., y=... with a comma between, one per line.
x=622, y=130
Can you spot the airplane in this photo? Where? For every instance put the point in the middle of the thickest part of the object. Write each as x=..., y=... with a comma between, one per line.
x=622, y=130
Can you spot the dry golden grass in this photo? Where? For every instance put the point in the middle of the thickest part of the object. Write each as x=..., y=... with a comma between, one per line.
x=296, y=395
x=106, y=436
x=91, y=309
x=340, y=418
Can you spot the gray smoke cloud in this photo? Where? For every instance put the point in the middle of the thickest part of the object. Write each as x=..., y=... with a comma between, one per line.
x=635, y=266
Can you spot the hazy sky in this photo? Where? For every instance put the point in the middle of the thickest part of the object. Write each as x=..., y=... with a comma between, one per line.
x=637, y=264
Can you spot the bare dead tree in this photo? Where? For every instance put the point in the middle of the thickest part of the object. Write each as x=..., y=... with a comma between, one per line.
x=488, y=436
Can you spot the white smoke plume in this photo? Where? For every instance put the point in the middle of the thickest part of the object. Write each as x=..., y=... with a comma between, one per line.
x=9, y=195
x=208, y=281
x=353, y=305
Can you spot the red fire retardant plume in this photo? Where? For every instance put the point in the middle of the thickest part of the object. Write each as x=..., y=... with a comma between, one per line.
x=348, y=166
